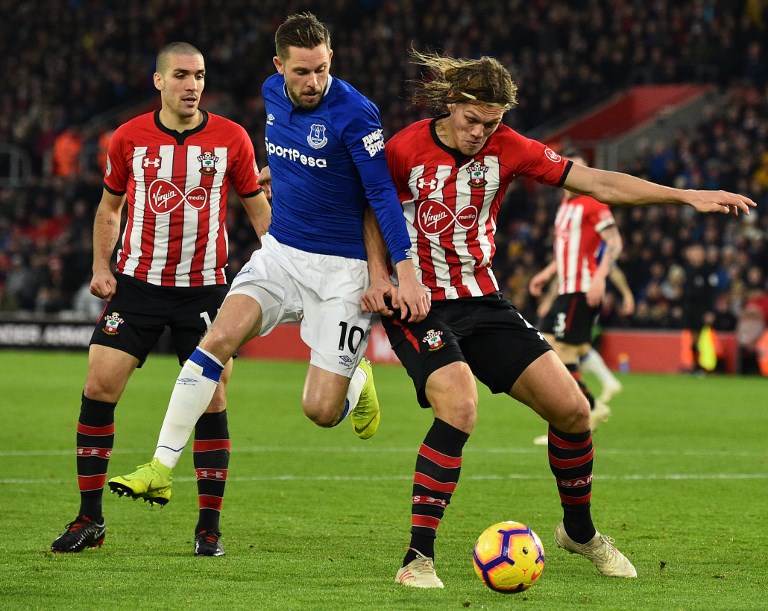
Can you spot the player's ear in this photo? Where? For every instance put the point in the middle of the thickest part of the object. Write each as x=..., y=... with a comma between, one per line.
x=157, y=79
x=278, y=65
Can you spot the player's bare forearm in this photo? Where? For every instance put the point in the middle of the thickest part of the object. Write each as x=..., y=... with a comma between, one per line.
x=619, y=280
x=380, y=287
x=265, y=181
x=411, y=297
x=541, y=279
x=375, y=248
x=106, y=231
x=259, y=212
x=622, y=189
x=596, y=290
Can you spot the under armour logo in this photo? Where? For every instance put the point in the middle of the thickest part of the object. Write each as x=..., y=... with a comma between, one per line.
x=155, y=163
x=164, y=197
x=429, y=184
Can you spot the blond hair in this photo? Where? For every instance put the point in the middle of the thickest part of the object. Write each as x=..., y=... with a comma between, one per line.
x=456, y=81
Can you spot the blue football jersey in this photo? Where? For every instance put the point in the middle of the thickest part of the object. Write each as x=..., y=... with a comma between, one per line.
x=327, y=164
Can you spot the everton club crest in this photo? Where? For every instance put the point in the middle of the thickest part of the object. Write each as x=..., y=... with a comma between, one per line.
x=477, y=171
x=208, y=163
x=317, y=138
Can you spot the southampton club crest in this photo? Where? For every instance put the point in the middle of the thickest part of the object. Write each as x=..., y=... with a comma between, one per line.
x=208, y=163
x=317, y=138
x=112, y=322
x=434, y=340
x=477, y=171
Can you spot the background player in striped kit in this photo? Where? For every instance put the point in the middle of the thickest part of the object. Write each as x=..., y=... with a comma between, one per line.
x=586, y=248
x=451, y=173
x=172, y=170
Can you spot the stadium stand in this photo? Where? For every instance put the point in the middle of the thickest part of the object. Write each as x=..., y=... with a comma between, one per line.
x=78, y=68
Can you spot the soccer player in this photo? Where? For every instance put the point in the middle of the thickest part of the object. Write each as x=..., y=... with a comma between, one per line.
x=326, y=165
x=451, y=173
x=590, y=360
x=587, y=245
x=174, y=168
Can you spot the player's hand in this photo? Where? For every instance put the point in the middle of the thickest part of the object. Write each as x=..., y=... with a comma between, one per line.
x=627, y=305
x=374, y=298
x=412, y=299
x=103, y=284
x=537, y=284
x=721, y=201
x=596, y=291
x=265, y=181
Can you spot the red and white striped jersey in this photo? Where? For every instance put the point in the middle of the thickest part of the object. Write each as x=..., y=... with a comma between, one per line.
x=451, y=202
x=578, y=224
x=176, y=185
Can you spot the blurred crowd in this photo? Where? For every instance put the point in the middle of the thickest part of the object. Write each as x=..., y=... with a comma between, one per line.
x=75, y=67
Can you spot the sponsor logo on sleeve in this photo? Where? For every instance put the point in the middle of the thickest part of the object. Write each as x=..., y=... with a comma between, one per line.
x=374, y=142
x=551, y=155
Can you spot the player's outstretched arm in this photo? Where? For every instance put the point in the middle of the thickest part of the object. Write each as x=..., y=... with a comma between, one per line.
x=621, y=189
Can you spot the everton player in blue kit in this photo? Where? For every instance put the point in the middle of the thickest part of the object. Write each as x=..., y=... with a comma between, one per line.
x=326, y=165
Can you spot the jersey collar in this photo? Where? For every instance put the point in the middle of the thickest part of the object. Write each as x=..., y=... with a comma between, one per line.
x=181, y=136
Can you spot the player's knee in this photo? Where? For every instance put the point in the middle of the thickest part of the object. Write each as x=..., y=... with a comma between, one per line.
x=322, y=413
x=100, y=389
x=572, y=415
x=218, y=344
x=459, y=411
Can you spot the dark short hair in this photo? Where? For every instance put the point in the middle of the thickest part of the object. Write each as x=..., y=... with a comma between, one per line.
x=174, y=48
x=302, y=30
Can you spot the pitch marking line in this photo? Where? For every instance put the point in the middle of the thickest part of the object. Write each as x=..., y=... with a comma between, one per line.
x=397, y=478
x=400, y=450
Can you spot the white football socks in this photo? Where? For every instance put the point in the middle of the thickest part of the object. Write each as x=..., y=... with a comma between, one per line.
x=593, y=363
x=191, y=395
x=356, y=383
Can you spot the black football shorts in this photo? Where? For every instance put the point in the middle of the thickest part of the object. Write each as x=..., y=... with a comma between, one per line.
x=572, y=319
x=135, y=318
x=488, y=333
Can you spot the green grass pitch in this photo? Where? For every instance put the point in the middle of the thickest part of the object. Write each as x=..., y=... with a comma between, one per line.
x=317, y=519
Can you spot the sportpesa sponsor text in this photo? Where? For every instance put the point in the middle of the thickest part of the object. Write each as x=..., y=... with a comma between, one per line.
x=373, y=143
x=293, y=154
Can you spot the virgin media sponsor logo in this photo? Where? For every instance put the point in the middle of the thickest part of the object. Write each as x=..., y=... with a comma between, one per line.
x=433, y=217
x=164, y=197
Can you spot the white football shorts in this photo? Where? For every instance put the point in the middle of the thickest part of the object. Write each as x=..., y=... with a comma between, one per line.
x=321, y=291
